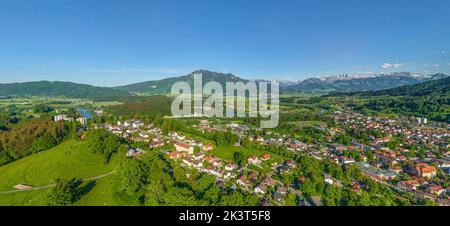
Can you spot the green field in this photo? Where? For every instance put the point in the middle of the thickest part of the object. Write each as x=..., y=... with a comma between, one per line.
x=53, y=102
x=306, y=123
x=71, y=159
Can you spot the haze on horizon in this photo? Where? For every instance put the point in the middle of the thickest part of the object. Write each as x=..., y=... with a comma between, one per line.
x=118, y=42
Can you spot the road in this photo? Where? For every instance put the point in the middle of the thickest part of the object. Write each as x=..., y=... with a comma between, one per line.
x=51, y=185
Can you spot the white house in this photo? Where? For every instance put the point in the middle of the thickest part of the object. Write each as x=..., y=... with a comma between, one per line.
x=83, y=121
x=254, y=160
x=230, y=166
x=260, y=189
x=182, y=147
x=137, y=124
x=60, y=117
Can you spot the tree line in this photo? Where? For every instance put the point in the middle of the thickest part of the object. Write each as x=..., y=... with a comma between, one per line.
x=32, y=136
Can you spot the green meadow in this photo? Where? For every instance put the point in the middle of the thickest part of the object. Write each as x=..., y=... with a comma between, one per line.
x=71, y=159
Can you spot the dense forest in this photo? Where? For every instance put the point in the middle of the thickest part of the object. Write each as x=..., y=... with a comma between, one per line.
x=433, y=107
x=141, y=105
x=103, y=142
x=32, y=136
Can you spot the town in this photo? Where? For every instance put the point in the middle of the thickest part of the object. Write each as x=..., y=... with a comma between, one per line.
x=386, y=152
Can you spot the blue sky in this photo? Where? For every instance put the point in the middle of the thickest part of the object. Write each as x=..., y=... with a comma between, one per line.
x=107, y=42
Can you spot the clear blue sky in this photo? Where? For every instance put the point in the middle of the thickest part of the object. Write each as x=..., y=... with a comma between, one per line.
x=107, y=42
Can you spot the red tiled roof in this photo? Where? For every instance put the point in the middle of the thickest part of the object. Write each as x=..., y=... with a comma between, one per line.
x=265, y=156
x=183, y=145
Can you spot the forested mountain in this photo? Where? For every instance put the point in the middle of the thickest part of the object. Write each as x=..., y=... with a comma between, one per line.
x=440, y=86
x=373, y=83
x=311, y=85
x=164, y=86
x=429, y=99
x=61, y=89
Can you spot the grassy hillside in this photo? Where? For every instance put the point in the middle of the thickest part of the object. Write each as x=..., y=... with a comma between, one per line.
x=71, y=159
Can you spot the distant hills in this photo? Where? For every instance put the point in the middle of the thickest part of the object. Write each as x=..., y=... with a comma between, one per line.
x=428, y=99
x=164, y=86
x=439, y=87
x=360, y=83
x=61, y=89
x=324, y=85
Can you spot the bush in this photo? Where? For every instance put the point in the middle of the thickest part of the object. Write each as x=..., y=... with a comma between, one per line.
x=62, y=194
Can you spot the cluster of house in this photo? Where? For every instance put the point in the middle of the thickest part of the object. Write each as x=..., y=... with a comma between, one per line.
x=266, y=137
x=204, y=126
x=388, y=163
x=238, y=128
x=434, y=139
x=264, y=185
x=386, y=166
x=256, y=160
x=135, y=124
x=424, y=190
x=62, y=117
x=285, y=167
x=201, y=159
x=135, y=152
x=250, y=183
x=412, y=129
x=135, y=130
x=249, y=180
x=280, y=140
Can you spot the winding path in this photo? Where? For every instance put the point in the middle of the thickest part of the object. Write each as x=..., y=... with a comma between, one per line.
x=51, y=185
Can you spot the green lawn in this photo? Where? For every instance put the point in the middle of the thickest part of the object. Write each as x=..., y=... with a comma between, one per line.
x=227, y=152
x=71, y=159
x=25, y=198
x=103, y=193
x=306, y=123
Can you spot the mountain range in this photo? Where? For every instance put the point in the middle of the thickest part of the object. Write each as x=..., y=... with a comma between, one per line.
x=323, y=85
x=341, y=83
x=360, y=83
